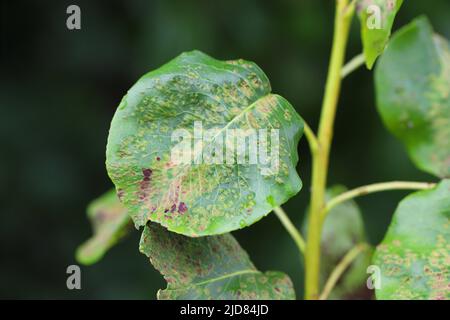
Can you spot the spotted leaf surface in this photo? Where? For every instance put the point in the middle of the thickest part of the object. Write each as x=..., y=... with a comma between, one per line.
x=240, y=141
x=212, y=267
x=110, y=222
x=376, y=18
x=413, y=95
x=414, y=256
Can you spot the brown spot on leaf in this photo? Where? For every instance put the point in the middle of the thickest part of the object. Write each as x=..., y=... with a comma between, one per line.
x=182, y=208
x=145, y=183
x=147, y=173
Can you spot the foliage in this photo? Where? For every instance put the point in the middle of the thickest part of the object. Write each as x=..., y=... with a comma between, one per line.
x=412, y=84
x=209, y=268
x=375, y=34
x=203, y=196
x=414, y=254
x=110, y=222
x=188, y=209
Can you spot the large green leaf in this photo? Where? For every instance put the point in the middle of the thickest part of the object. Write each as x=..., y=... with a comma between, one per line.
x=414, y=256
x=376, y=18
x=202, y=198
x=413, y=95
x=343, y=229
x=213, y=267
x=110, y=222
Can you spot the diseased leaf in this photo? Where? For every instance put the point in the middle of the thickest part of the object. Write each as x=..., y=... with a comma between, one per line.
x=343, y=229
x=414, y=256
x=413, y=95
x=212, y=267
x=206, y=195
x=376, y=18
x=110, y=222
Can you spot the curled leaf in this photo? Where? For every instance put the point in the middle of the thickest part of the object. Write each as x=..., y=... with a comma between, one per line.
x=110, y=223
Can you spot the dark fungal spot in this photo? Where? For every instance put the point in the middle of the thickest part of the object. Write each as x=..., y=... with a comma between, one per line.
x=173, y=208
x=182, y=208
x=147, y=173
x=158, y=158
x=145, y=183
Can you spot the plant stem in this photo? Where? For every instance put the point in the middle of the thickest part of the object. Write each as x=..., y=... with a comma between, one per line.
x=340, y=269
x=312, y=139
x=352, y=65
x=291, y=229
x=376, y=187
x=343, y=17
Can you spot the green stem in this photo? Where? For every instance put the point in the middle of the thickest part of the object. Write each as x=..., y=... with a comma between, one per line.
x=340, y=269
x=343, y=18
x=352, y=65
x=375, y=187
x=312, y=139
x=291, y=229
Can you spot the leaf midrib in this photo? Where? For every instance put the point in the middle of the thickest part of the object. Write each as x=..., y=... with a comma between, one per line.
x=226, y=276
x=243, y=112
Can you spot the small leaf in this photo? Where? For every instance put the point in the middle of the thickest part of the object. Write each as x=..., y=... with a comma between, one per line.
x=413, y=93
x=110, y=222
x=199, y=197
x=376, y=18
x=213, y=267
x=414, y=255
x=343, y=229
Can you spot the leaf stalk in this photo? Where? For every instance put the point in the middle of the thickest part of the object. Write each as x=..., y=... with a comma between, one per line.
x=291, y=229
x=372, y=188
x=340, y=268
x=352, y=65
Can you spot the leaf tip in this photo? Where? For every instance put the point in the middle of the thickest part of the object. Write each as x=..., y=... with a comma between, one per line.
x=82, y=256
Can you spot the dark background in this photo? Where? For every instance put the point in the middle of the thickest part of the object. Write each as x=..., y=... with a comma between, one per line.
x=59, y=90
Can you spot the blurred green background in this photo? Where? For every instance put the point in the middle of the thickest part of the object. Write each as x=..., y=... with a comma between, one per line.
x=59, y=90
